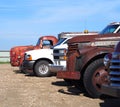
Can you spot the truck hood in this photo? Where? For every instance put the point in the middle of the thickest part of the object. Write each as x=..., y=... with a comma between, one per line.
x=99, y=37
x=18, y=48
x=61, y=46
x=84, y=38
x=17, y=54
x=110, y=36
x=39, y=51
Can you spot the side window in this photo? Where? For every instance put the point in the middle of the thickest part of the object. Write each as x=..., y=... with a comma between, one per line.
x=46, y=43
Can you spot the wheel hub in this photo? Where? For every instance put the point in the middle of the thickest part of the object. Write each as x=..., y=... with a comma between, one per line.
x=100, y=77
x=43, y=69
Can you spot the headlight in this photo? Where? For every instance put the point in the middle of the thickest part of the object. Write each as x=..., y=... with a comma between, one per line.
x=19, y=57
x=107, y=59
x=28, y=57
x=61, y=51
x=63, y=58
x=13, y=53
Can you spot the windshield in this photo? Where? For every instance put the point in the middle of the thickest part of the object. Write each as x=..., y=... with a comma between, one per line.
x=60, y=41
x=109, y=29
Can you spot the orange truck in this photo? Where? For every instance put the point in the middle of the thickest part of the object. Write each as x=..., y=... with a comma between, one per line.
x=17, y=53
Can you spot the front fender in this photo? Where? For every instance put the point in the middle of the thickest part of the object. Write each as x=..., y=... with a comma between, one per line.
x=92, y=54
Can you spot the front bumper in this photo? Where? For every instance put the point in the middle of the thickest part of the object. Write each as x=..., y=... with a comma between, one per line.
x=110, y=90
x=28, y=65
x=56, y=68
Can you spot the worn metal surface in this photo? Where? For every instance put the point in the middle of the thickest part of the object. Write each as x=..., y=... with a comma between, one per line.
x=89, y=52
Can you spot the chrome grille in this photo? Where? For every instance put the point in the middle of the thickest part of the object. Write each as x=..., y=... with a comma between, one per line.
x=72, y=48
x=57, y=53
x=115, y=70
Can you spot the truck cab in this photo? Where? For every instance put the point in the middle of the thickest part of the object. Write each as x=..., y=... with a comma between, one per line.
x=17, y=53
x=111, y=28
x=85, y=59
x=112, y=63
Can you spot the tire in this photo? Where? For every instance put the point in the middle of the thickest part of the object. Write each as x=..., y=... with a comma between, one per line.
x=94, y=76
x=22, y=70
x=41, y=69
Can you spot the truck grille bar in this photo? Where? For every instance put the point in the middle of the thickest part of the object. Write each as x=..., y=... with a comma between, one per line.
x=115, y=72
x=57, y=53
x=72, y=48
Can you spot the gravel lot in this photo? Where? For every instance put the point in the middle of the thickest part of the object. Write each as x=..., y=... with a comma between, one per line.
x=20, y=90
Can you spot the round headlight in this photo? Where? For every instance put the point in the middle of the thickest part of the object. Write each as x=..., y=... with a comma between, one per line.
x=107, y=59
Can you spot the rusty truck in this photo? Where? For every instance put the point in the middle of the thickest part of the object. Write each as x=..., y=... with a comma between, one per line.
x=17, y=52
x=85, y=59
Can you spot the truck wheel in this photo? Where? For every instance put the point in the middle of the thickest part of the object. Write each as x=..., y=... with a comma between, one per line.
x=21, y=69
x=41, y=69
x=94, y=76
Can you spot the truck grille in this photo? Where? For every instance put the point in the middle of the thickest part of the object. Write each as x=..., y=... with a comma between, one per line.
x=72, y=48
x=115, y=70
x=57, y=53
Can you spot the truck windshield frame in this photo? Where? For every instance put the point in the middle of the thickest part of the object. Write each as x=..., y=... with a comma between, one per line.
x=60, y=41
x=109, y=29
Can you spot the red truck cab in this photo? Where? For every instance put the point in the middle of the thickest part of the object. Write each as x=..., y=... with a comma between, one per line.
x=17, y=53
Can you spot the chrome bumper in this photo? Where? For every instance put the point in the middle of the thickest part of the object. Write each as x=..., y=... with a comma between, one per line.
x=110, y=90
x=56, y=68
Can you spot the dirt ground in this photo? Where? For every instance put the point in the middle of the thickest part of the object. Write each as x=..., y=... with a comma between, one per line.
x=20, y=90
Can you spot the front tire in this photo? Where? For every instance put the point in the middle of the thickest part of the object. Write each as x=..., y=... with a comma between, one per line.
x=94, y=76
x=22, y=70
x=41, y=69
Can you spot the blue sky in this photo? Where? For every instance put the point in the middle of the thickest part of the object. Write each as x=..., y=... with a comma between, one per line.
x=22, y=22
